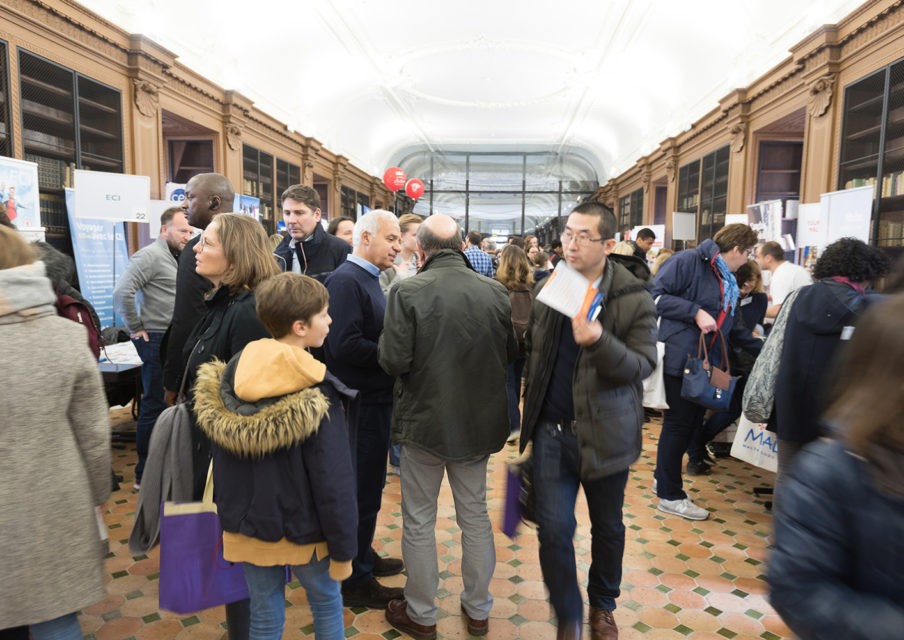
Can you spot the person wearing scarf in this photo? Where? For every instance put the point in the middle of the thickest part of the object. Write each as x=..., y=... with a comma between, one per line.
x=695, y=291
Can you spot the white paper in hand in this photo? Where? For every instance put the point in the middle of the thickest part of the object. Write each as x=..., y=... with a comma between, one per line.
x=566, y=290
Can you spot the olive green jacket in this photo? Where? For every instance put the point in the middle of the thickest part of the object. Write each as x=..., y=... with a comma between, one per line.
x=448, y=339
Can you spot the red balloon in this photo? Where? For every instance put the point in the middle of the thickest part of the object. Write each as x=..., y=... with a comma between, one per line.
x=414, y=188
x=394, y=178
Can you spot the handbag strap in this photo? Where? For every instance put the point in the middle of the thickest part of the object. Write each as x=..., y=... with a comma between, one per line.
x=701, y=350
x=208, y=486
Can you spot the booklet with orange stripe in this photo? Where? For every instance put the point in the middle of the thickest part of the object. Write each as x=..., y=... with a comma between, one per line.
x=569, y=293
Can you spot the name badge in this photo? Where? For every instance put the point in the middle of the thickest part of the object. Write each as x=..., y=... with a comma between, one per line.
x=746, y=301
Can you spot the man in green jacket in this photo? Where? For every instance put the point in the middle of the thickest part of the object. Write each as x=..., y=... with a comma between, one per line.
x=582, y=410
x=448, y=338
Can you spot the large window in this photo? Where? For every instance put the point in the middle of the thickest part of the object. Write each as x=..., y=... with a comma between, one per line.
x=703, y=190
x=257, y=181
x=630, y=210
x=501, y=193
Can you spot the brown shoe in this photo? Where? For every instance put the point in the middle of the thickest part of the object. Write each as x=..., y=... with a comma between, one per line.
x=397, y=616
x=476, y=627
x=570, y=630
x=602, y=625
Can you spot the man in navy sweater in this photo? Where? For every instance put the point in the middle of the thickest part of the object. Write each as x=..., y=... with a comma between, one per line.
x=357, y=305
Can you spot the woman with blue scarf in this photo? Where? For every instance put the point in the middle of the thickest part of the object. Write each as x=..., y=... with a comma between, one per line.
x=695, y=291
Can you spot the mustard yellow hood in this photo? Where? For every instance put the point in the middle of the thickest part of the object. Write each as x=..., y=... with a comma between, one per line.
x=268, y=368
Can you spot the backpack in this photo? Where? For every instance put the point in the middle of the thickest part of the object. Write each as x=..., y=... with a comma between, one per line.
x=521, y=301
x=77, y=311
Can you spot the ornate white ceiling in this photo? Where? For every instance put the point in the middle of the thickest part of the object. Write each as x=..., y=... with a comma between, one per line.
x=371, y=79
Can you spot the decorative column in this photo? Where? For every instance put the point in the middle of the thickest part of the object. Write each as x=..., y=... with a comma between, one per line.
x=737, y=110
x=819, y=56
x=236, y=108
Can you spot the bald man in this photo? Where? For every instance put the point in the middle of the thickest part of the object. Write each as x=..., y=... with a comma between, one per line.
x=450, y=413
x=206, y=195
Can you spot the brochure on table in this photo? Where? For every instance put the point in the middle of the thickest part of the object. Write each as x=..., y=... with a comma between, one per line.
x=19, y=195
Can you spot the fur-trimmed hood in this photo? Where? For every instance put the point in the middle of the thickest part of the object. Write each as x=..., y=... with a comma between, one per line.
x=253, y=429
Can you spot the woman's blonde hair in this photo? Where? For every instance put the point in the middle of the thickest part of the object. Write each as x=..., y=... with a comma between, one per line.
x=14, y=250
x=663, y=255
x=247, y=249
x=514, y=267
x=623, y=248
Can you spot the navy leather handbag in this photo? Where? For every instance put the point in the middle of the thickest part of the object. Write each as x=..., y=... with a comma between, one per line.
x=705, y=384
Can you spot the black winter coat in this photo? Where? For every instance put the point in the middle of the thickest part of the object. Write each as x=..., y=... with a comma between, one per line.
x=230, y=324
x=282, y=466
x=323, y=253
x=817, y=318
x=838, y=562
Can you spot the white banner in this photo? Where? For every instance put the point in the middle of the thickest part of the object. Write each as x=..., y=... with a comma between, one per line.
x=811, y=225
x=684, y=226
x=849, y=213
x=112, y=196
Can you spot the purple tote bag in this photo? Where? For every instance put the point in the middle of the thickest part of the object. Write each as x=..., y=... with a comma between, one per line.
x=193, y=573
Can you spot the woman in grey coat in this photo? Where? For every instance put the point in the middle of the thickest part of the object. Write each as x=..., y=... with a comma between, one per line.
x=54, y=454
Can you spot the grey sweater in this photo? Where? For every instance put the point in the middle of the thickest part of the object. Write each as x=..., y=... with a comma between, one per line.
x=151, y=271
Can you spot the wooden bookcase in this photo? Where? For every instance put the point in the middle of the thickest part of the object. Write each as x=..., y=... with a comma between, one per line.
x=630, y=210
x=778, y=171
x=69, y=121
x=188, y=158
x=872, y=148
x=6, y=143
x=257, y=180
x=703, y=190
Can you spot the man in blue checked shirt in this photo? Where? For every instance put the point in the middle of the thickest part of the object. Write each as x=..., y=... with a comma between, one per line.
x=481, y=262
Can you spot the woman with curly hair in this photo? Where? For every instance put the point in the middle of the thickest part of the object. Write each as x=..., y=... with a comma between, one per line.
x=516, y=274
x=820, y=319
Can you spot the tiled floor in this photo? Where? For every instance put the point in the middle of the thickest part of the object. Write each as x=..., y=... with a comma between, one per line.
x=682, y=579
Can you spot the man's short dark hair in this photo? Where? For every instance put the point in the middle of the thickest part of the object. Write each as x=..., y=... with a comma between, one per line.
x=333, y=226
x=304, y=194
x=645, y=234
x=607, y=223
x=474, y=238
x=518, y=241
x=774, y=249
x=286, y=298
x=167, y=216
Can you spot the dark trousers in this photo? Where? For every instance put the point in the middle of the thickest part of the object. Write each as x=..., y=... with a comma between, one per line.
x=679, y=423
x=717, y=423
x=556, y=479
x=513, y=391
x=151, y=398
x=371, y=445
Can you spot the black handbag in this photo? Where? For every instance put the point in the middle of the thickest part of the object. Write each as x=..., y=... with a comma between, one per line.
x=705, y=384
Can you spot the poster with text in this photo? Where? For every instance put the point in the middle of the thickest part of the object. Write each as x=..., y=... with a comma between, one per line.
x=766, y=219
x=19, y=193
x=99, y=247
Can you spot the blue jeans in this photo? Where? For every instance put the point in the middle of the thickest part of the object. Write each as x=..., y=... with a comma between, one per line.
x=152, y=396
x=371, y=446
x=557, y=468
x=679, y=424
x=62, y=628
x=267, y=587
x=513, y=391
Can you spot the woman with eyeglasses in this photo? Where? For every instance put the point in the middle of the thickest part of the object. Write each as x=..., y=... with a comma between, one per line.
x=695, y=292
x=234, y=254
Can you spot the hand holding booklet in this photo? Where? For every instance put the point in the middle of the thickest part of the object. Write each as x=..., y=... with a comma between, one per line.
x=570, y=293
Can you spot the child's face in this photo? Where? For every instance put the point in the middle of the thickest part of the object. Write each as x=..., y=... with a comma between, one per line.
x=318, y=328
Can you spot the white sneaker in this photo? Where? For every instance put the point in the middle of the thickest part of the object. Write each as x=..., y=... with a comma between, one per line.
x=684, y=508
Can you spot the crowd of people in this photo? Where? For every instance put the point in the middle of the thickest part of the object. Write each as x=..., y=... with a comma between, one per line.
x=308, y=366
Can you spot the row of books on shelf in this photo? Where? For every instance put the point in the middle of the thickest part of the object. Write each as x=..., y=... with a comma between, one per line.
x=853, y=183
x=891, y=231
x=893, y=185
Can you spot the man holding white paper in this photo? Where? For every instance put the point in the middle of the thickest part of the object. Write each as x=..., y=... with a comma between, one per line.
x=583, y=413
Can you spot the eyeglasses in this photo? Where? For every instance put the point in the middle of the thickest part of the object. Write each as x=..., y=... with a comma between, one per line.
x=582, y=239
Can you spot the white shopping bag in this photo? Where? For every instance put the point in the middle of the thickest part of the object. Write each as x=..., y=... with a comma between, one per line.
x=755, y=445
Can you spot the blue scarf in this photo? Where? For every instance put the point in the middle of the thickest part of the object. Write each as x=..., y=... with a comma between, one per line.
x=729, y=284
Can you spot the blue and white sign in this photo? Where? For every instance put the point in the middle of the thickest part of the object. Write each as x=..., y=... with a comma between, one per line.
x=175, y=192
x=99, y=247
x=112, y=196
